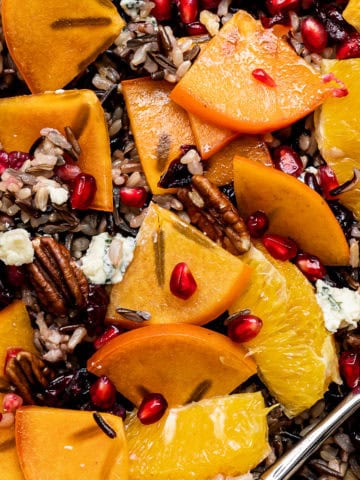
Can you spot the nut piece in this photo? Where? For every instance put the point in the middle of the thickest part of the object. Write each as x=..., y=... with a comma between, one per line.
x=215, y=215
x=28, y=373
x=59, y=283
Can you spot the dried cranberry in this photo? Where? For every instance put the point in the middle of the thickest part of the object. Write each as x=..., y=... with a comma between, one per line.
x=152, y=408
x=96, y=307
x=83, y=192
x=334, y=23
x=133, y=197
x=263, y=77
x=77, y=390
x=177, y=175
x=343, y=215
x=4, y=161
x=310, y=266
x=195, y=28
x=188, y=10
x=350, y=368
x=328, y=181
x=314, y=34
x=162, y=10
x=279, y=247
x=244, y=327
x=287, y=160
x=105, y=338
x=17, y=159
x=209, y=4
x=349, y=48
x=182, y=282
x=68, y=172
x=257, y=224
x=15, y=276
x=54, y=392
x=281, y=6
x=103, y=393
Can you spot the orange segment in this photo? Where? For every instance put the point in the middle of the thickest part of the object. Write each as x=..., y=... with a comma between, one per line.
x=219, y=168
x=23, y=117
x=52, y=41
x=164, y=241
x=226, y=435
x=220, y=88
x=174, y=360
x=9, y=463
x=294, y=210
x=160, y=127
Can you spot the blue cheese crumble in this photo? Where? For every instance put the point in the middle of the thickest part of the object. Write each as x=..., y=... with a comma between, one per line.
x=340, y=306
x=107, y=258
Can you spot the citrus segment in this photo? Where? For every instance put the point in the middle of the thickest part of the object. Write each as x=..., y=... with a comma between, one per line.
x=294, y=210
x=294, y=353
x=221, y=89
x=338, y=128
x=9, y=463
x=226, y=435
x=163, y=242
x=174, y=360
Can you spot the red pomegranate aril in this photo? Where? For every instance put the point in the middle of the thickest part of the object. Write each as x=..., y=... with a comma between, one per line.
x=281, y=6
x=257, y=224
x=11, y=352
x=68, y=172
x=350, y=368
x=11, y=402
x=279, y=247
x=263, y=77
x=196, y=28
x=310, y=266
x=328, y=181
x=162, y=10
x=105, y=338
x=152, y=408
x=349, y=48
x=314, y=35
x=244, y=327
x=188, y=10
x=4, y=161
x=133, y=197
x=103, y=393
x=83, y=192
x=182, y=282
x=17, y=159
x=287, y=160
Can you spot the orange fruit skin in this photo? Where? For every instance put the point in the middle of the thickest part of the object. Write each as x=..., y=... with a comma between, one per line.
x=220, y=88
x=172, y=360
x=9, y=463
x=294, y=210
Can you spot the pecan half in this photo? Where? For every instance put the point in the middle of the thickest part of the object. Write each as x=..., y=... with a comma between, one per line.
x=213, y=213
x=28, y=373
x=58, y=282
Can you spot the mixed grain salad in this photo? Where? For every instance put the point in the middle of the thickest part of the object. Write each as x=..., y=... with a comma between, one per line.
x=179, y=237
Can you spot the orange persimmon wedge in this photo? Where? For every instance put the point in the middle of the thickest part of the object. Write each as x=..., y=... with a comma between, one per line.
x=160, y=127
x=179, y=361
x=219, y=167
x=53, y=41
x=23, y=117
x=293, y=209
x=164, y=240
x=221, y=89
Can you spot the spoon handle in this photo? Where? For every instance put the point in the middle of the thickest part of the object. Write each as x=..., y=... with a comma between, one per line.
x=289, y=463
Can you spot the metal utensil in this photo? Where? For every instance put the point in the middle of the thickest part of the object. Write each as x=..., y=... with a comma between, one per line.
x=289, y=463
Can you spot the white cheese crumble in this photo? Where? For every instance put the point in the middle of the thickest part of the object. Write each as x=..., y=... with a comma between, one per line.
x=341, y=306
x=16, y=247
x=107, y=258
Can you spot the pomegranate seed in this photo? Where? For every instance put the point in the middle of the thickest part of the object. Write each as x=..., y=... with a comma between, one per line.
x=349, y=48
x=196, y=28
x=162, y=10
x=257, y=224
x=68, y=172
x=314, y=34
x=209, y=4
x=84, y=191
x=188, y=10
x=287, y=160
x=279, y=247
x=11, y=402
x=105, y=338
x=328, y=181
x=350, y=368
x=103, y=393
x=4, y=161
x=152, y=408
x=17, y=159
x=15, y=276
x=11, y=352
x=182, y=282
x=243, y=327
x=133, y=197
x=281, y=6
x=263, y=77
x=310, y=266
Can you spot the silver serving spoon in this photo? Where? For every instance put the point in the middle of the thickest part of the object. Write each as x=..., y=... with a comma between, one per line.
x=289, y=463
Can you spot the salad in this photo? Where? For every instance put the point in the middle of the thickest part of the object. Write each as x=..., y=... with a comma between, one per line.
x=179, y=237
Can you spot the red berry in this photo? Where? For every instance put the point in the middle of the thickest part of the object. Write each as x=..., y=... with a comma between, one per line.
x=162, y=10
x=103, y=393
x=83, y=192
x=328, y=181
x=17, y=159
x=11, y=402
x=310, y=266
x=196, y=28
x=243, y=327
x=349, y=48
x=287, y=160
x=4, y=161
x=263, y=77
x=281, y=6
x=108, y=335
x=314, y=35
x=279, y=247
x=133, y=197
x=182, y=282
x=15, y=276
x=68, y=172
x=257, y=224
x=152, y=408
x=350, y=368
x=209, y=4
x=188, y=10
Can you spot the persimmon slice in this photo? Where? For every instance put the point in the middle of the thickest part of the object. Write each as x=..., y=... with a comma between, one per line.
x=293, y=208
x=221, y=89
x=23, y=117
x=182, y=362
x=164, y=241
x=52, y=41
